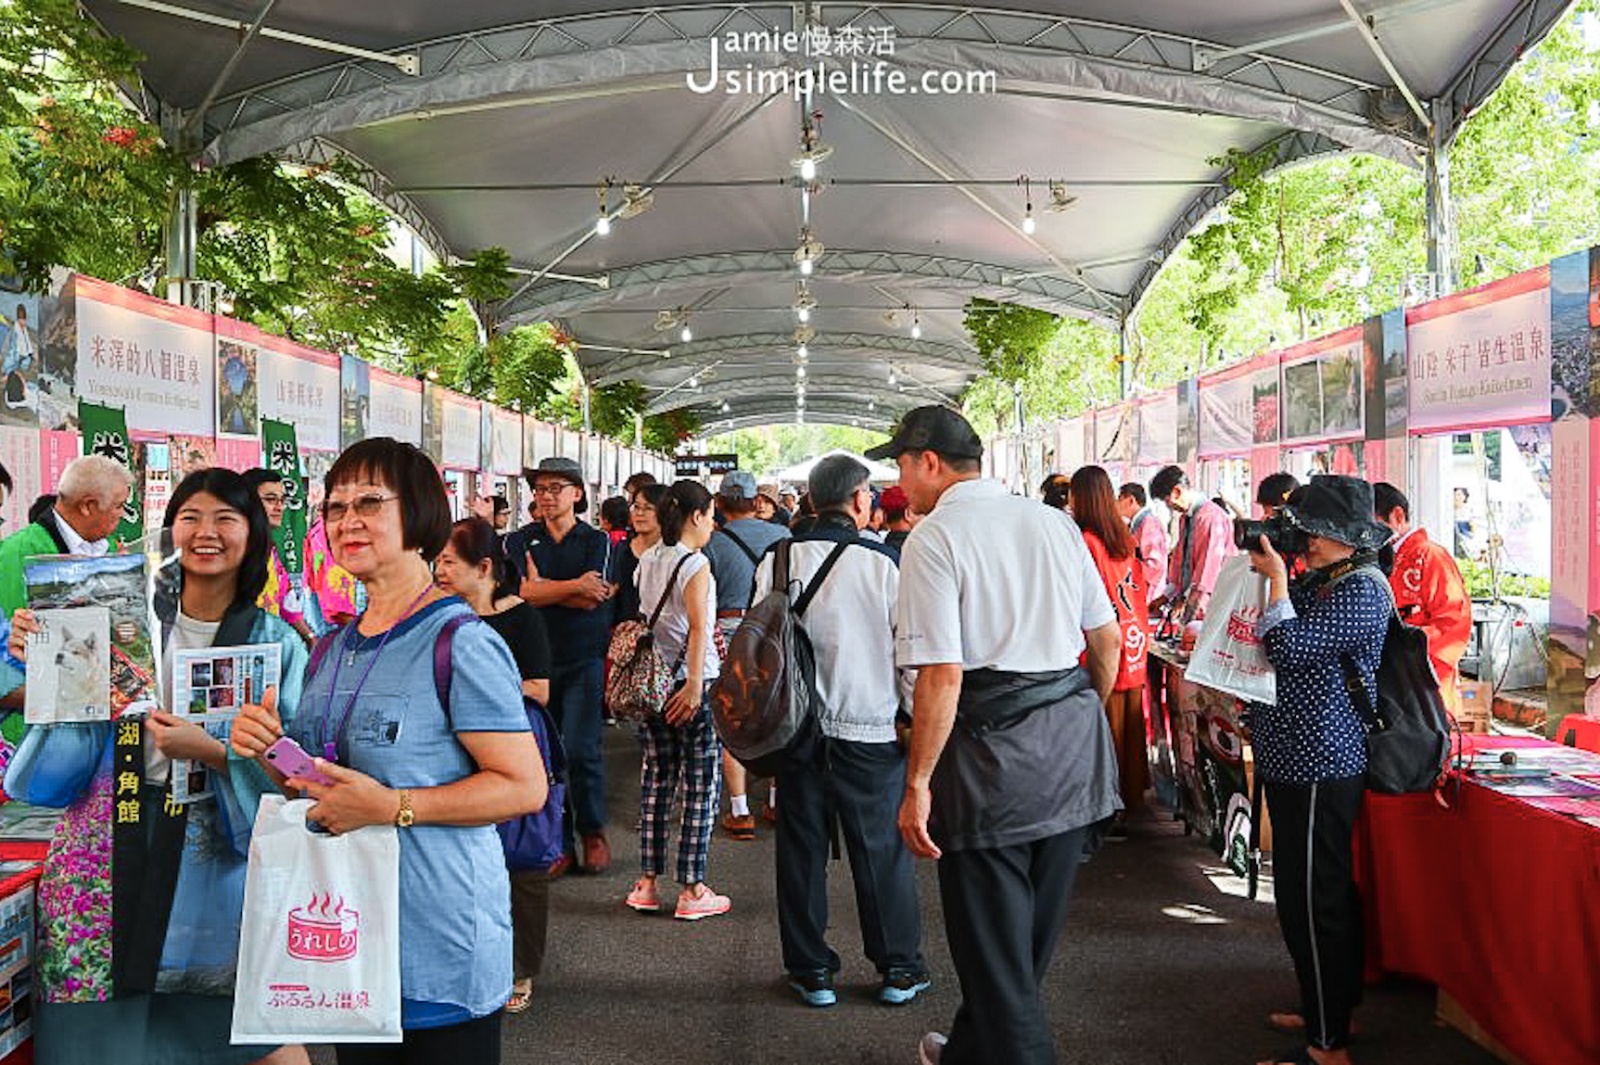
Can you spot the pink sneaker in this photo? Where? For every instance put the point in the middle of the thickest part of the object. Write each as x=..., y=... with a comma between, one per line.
x=706, y=903
x=643, y=896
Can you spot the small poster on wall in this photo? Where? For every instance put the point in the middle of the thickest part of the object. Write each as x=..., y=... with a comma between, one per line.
x=238, y=389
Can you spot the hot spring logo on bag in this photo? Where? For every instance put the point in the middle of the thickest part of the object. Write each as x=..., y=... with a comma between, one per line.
x=324, y=930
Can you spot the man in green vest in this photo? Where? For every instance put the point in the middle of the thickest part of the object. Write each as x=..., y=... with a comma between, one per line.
x=88, y=505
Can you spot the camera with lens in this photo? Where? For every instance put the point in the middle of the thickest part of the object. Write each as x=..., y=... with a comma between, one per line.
x=1281, y=530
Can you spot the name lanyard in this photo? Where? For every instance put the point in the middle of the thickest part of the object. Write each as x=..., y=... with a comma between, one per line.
x=330, y=748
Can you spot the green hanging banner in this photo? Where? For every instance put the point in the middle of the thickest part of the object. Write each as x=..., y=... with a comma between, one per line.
x=281, y=453
x=105, y=432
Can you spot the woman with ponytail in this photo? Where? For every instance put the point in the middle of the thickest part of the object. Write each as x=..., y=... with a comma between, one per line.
x=679, y=743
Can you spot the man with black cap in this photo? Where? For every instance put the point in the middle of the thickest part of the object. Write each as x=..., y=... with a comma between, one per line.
x=733, y=552
x=563, y=564
x=1310, y=747
x=1011, y=770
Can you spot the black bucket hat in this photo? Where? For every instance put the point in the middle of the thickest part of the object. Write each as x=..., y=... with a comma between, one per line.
x=565, y=468
x=1338, y=508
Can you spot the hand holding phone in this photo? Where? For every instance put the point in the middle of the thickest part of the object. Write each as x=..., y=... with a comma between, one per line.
x=290, y=759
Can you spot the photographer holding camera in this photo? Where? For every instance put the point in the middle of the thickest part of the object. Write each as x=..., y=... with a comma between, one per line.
x=1310, y=748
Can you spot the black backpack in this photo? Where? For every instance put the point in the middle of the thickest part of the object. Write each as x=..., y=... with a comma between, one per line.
x=764, y=703
x=1408, y=732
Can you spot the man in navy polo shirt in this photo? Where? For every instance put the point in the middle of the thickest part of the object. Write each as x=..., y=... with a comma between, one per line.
x=563, y=563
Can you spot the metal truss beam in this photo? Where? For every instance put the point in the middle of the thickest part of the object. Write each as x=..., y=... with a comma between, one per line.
x=318, y=152
x=650, y=49
x=887, y=346
x=831, y=412
x=1524, y=28
x=665, y=279
x=1289, y=148
x=822, y=385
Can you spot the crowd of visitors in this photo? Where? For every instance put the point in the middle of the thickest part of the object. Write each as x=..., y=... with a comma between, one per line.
x=421, y=659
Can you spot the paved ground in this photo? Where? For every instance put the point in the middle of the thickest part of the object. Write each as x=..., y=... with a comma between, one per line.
x=1158, y=967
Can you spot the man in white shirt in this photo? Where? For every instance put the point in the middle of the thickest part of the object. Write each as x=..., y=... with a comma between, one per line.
x=1011, y=772
x=853, y=584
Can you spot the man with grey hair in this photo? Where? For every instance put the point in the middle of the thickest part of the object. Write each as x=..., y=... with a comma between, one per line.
x=88, y=506
x=852, y=584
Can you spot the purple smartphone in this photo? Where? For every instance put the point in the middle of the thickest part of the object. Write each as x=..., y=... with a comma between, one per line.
x=290, y=759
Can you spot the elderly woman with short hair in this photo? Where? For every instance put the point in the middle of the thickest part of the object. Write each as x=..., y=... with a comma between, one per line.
x=444, y=764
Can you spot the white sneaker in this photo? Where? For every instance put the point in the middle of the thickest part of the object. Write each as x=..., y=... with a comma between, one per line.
x=931, y=1049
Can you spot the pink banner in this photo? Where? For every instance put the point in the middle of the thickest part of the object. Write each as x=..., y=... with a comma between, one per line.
x=238, y=454
x=57, y=448
x=1482, y=358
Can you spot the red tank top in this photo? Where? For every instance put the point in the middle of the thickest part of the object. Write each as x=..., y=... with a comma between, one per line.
x=1125, y=585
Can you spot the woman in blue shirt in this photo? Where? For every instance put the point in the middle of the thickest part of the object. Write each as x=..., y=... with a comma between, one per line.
x=444, y=770
x=1310, y=748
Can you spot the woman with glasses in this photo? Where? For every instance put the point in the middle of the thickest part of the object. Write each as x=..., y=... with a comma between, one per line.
x=626, y=555
x=282, y=595
x=443, y=763
x=174, y=928
x=680, y=745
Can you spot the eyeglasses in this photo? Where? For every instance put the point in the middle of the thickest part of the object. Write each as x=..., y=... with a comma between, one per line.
x=363, y=506
x=272, y=500
x=641, y=507
x=551, y=489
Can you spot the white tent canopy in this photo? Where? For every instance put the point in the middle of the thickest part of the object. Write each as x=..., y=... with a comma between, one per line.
x=801, y=472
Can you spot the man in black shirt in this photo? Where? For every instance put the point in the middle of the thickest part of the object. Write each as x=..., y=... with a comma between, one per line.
x=564, y=568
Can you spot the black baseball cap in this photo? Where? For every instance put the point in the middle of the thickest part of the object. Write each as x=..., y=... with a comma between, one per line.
x=932, y=428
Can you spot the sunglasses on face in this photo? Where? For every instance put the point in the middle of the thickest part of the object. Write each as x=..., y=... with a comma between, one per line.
x=362, y=506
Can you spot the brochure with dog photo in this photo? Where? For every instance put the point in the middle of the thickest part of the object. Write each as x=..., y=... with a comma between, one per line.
x=209, y=685
x=69, y=667
x=115, y=585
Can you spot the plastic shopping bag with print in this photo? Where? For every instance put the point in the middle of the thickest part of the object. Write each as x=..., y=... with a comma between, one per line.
x=319, y=949
x=1228, y=655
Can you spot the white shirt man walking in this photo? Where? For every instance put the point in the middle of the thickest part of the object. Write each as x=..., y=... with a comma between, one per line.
x=1011, y=767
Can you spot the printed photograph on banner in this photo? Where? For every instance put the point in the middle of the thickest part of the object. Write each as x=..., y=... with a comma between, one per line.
x=1341, y=391
x=117, y=584
x=58, y=373
x=1396, y=381
x=190, y=453
x=157, y=483
x=355, y=399
x=238, y=389
x=21, y=358
x=317, y=464
x=69, y=667
x=433, y=421
x=1264, y=407
x=1302, y=387
x=209, y=685
x=1571, y=354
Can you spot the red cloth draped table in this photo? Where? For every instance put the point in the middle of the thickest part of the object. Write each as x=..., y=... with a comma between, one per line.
x=1495, y=901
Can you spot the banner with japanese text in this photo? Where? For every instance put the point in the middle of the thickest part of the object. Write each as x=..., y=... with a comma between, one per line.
x=105, y=432
x=459, y=431
x=1069, y=445
x=396, y=406
x=1321, y=396
x=507, y=449
x=1157, y=442
x=20, y=449
x=282, y=453
x=299, y=385
x=1481, y=358
x=154, y=360
x=1114, y=429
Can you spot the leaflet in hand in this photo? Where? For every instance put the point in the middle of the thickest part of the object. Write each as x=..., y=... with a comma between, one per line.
x=209, y=685
x=69, y=667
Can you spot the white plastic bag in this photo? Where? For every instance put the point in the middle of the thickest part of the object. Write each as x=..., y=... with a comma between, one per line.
x=1228, y=656
x=319, y=948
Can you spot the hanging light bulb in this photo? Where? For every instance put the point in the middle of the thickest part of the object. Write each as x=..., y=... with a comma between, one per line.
x=872, y=404
x=800, y=372
x=602, y=224
x=802, y=352
x=892, y=381
x=808, y=169
x=803, y=313
x=694, y=382
x=725, y=407
x=1028, y=224
x=685, y=335
x=916, y=327
x=806, y=266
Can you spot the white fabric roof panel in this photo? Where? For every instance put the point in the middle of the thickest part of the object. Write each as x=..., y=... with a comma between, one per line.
x=1127, y=102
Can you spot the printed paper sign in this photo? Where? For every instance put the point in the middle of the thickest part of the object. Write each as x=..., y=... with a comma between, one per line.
x=1227, y=411
x=209, y=685
x=1158, y=428
x=1481, y=358
x=155, y=359
x=299, y=385
x=459, y=447
x=396, y=406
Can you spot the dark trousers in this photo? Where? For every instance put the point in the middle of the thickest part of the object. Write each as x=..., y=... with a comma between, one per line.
x=1003, y=912
x=575, y=707
x=530, y=922
x=860, y=784
x=1319, y=909
x=477, y=1041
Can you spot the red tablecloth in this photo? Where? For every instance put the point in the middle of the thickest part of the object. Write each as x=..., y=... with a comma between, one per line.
x=1498, y=903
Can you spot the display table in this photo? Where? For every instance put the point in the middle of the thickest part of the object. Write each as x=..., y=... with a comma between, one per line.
x=1495, y=901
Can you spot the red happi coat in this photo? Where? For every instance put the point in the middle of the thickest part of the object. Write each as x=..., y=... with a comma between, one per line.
x=1124, y=581
x=1430, y=594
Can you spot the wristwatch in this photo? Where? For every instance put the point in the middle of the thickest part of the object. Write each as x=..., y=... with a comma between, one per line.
x=405, y=818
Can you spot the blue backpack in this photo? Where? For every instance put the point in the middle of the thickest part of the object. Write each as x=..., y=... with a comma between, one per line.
x=531, y=841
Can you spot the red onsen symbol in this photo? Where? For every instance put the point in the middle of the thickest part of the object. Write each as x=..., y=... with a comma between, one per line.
x=323, y=930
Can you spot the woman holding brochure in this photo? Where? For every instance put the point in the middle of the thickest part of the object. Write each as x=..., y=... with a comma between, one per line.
x=443, y=762
x=169, y=896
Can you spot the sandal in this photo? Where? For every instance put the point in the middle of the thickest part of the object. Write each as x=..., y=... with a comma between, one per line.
x=521, y=996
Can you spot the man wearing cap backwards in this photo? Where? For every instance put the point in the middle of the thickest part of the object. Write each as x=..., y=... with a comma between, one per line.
x=733, y=552
x=1311, y=751
x=1011, y=770
x=563, y=564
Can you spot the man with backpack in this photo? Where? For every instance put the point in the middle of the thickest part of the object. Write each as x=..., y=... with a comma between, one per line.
x=733, y=551
x=1011, y=772
x=1324, y=634
x=858, y=773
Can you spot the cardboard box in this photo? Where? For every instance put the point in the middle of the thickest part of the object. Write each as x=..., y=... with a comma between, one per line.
x=1476, y=698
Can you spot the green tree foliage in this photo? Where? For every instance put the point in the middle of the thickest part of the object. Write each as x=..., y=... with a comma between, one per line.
x=1009, y=338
